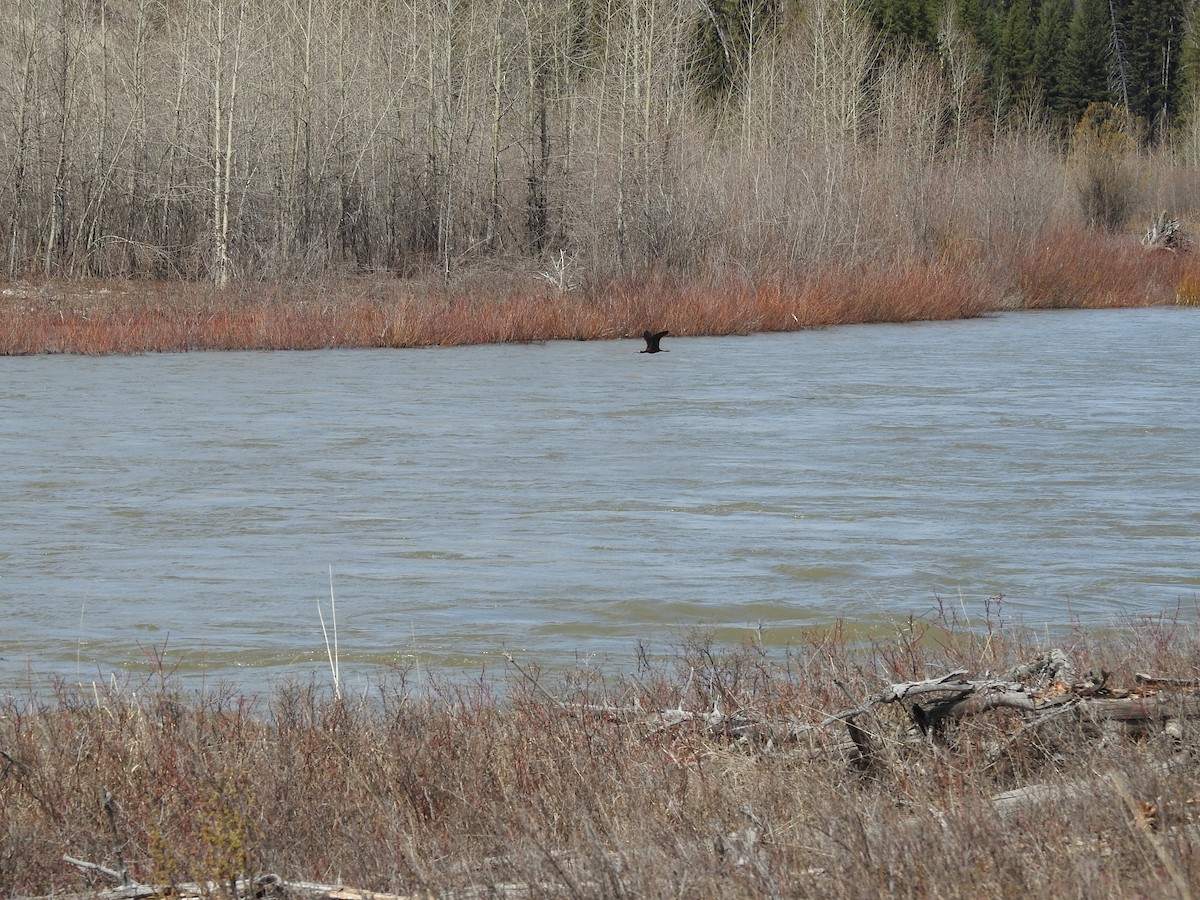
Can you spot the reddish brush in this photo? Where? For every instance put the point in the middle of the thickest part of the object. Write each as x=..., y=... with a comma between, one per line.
x=1090, y=269
x=1068, y=268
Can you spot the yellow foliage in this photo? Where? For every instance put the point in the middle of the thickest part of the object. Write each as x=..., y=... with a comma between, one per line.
x=212, y=845
x=1104, y=128
x=1189, y=288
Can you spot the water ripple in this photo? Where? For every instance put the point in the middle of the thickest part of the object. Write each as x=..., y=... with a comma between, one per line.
x=574, y=500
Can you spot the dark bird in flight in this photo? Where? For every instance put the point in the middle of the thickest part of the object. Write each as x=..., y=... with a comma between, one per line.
x=652, y=341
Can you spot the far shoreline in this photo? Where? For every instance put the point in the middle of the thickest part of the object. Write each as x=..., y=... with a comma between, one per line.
x=1068, y=270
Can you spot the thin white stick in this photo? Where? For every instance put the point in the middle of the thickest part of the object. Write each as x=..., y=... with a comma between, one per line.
x=337, y=659
x=79, y=640
x=331, y=652
x=416, y=653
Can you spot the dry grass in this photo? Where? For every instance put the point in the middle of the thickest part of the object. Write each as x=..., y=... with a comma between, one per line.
x=476, y=782
x=1067, y=269
x=1189, y=285
x=1091, y=270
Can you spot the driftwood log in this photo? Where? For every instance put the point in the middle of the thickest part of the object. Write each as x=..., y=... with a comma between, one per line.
x=1042, y=691
x=265, y=887
x=1165, y=234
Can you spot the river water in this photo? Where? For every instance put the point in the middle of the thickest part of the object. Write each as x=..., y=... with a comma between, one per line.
x=568, y=501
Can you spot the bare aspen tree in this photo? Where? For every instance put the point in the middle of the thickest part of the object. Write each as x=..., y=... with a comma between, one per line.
x=173, y=235
x=205, y=138
x=642, y=40
x=344, y=96
x=596, y=101
x=24, y=39
x=569, y=68
x=963, y=63
x=664, y=112
x=754, y=88
x=554, y=47
x=66, y=96
x=357, y=116
x=106, y=147
x=373, y=117
x=467, y=45
x=633, y=108
x=618, y=40
x=225, y=66
x=410, y=217
x=909, y=110
x=441, y=132
x=910, y=106
x=841, y=50
x=373, y=136
x=538, y=74
x=297, y=221
x=498, y=106
x=610, y=89
x=132, y=71
x=438, y=126
x=635, y=70
x=1187, y=138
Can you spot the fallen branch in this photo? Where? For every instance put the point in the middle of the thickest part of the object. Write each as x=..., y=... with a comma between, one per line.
x=263, y=887
x=95, y=867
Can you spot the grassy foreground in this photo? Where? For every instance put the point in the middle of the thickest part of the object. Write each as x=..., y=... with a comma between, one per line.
x=449, y=784
x=1075, y=269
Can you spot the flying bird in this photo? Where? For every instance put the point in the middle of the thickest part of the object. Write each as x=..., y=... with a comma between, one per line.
x=652, y=341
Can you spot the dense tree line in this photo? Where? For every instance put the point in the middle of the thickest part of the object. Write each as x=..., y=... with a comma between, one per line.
x=575, y=138
x=1065, y=54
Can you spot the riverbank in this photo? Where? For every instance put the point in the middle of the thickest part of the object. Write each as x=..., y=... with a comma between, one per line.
x=716, y=772
x=1067, y=269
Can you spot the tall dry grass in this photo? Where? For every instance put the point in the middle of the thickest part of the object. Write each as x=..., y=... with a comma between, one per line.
x=480, y=781
x=1086, y=270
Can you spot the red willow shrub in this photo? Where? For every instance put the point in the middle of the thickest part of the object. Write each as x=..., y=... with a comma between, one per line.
x=1066, y=269
x=1078, y=269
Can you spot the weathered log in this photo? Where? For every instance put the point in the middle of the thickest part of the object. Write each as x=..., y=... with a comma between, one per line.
x=265, y=887
x=1159, y=681
x=1042, y=689
x=1165, y=234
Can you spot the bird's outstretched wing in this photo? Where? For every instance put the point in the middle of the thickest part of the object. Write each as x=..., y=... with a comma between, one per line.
x=652, y=339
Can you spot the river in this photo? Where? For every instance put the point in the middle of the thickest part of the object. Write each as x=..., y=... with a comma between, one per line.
x=571, y=502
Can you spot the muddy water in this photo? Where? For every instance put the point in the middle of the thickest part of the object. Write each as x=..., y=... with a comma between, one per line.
x=566, y=501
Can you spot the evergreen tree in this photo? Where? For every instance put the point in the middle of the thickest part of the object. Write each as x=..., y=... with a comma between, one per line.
x=982, y=20
x=904, y=21
x=1151, y=32
x=1016, y=50
x=1089, y=57
x=1189, y=63
x=1050, y=50
x=979, y=16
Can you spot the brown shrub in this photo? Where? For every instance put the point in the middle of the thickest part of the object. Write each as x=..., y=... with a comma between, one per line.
x=1066, y=268
x=1093, y=269
x=485, y=781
